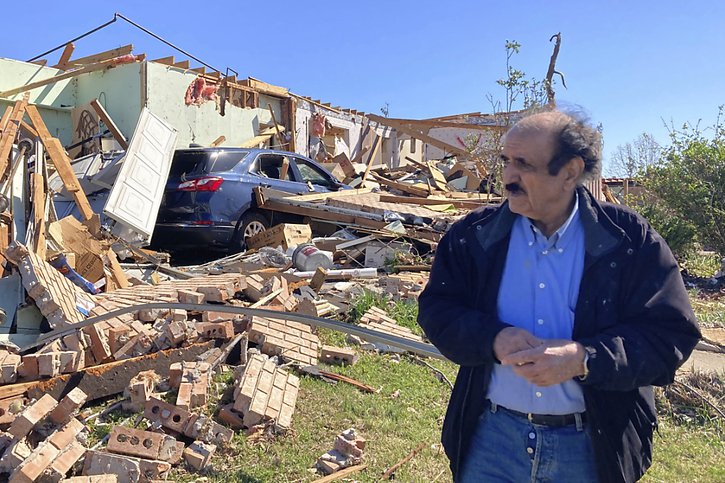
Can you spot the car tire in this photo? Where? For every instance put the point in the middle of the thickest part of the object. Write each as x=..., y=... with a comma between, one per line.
x=251, y=224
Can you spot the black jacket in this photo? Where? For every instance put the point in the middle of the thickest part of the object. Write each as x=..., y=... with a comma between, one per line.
x=633, y=314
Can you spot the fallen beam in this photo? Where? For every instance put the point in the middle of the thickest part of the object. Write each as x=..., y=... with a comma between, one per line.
x=110, y=124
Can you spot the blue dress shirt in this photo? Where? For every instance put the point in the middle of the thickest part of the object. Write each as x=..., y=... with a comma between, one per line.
x=538, y=292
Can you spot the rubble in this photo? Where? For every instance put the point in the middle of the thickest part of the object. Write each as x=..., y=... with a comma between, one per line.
x=86, y=313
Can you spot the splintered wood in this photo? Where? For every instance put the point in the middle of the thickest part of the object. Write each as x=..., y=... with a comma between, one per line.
x=265, y=392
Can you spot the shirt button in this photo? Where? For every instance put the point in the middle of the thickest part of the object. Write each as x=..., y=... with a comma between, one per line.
x=542, y=285
x=561, y=250
x=538, y=394
x=530, y=450
x=540, y=321
x=545, y=252
x=532, y=435
x=531, y=243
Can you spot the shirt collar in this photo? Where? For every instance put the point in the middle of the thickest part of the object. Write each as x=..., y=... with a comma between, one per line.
x=558, y=234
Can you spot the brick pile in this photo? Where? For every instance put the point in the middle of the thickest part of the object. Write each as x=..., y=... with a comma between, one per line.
x=347, y=451
x=292, y=341
x=264, y=392
x=377, y=319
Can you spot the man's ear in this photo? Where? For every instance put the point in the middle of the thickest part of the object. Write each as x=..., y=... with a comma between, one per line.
x=574, y=170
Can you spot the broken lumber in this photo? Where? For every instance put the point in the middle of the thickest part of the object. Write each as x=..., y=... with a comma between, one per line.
x=109, y=124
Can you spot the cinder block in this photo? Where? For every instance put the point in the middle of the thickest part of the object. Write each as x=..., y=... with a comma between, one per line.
x=198, y=454
x=216, y=330
x=338, y=355
x=67, y=406
x=143, y=444
x=169, y=416
x=32, y=415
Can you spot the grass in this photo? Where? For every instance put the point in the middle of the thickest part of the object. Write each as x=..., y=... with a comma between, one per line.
x=701, y=263
x=408, y=410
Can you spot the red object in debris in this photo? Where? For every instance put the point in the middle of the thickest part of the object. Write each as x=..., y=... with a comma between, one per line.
x=199, y=92
x=124, y=59
x=318, y=125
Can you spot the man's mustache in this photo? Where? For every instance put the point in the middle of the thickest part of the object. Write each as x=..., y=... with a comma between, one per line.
x=513, y=188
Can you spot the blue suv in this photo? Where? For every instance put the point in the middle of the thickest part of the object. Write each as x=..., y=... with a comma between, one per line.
x=209, y=198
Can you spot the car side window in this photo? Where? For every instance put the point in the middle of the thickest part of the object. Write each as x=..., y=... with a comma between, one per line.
x=274, y=166
x=313, y=174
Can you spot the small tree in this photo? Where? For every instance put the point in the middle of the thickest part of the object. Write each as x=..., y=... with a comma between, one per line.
x=690, y=179
x=630, y=159
x=521, y=94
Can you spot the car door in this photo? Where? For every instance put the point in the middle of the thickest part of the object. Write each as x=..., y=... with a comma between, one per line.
x=312, y=174
x=276, y=171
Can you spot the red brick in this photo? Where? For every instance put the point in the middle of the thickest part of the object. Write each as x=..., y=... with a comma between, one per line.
x=68, y=406
x=35, y=465
x=32, y=415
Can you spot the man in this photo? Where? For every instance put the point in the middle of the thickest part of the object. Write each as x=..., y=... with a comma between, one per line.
x=562, y=313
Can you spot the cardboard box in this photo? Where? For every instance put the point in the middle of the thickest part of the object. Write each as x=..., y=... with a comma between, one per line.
x=285, y=235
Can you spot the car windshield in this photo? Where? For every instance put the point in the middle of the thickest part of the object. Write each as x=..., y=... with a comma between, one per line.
x=193, y=163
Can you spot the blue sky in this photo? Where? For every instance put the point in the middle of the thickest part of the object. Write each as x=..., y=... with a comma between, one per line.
x=631, y=65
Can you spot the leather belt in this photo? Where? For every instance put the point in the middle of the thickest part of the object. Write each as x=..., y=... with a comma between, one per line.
x=551, y=420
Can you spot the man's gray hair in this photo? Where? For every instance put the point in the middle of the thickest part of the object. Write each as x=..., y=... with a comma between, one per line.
x=577, y=137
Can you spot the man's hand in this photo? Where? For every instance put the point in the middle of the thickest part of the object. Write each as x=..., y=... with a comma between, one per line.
x=553, y=362
x=511, y=340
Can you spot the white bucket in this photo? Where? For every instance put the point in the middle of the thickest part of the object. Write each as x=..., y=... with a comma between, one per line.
x=308, y=258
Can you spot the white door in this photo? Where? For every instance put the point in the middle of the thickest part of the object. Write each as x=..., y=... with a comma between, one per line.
x=136, y=195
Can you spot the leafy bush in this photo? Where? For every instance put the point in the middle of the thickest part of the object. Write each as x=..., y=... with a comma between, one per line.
x=677, y=231
x=690, y=179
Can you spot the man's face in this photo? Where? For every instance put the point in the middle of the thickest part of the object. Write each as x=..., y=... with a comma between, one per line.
x=531, y=190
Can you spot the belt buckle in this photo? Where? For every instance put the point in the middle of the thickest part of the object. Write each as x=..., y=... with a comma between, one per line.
x=530, y=417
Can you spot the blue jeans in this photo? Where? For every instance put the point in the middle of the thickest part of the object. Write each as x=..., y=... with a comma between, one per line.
x=508, y=448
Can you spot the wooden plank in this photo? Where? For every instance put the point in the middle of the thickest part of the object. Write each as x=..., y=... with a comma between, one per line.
x=373, y=152
x=414, y=200
x=262, y=137
x=65, y=56
x=29, y=128
x=6, y=117
x=117, y=134
x=101, y=56
x=39, y=214
x=418, y=134
x=67, y=75
x=439, y=179
x=292, y=121
x=165, y=60
x=200, y=70
x=332, y=194
x=42, y=62
x=8, y=134
x=341, y=474
x=218, y=141
x=265, y=88
x=184, y=64
x=117, y=273
x=61, y=162
x=4, y=241
x=404, y=187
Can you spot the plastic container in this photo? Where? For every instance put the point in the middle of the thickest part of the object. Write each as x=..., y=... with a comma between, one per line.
x=308, y=257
